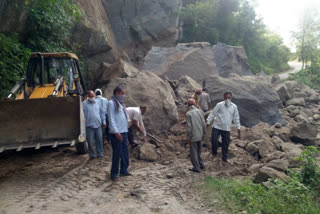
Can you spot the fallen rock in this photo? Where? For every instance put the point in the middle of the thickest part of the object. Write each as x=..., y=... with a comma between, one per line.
x=277, y=142
x=265, y=173
x=283, y=93
x=292, y=151
x=195, y=60
x=296, y=102
x=300, y=118
x=252, y=148
x=186, y=88
x=297, y=90
x=279, y=164
x=275, y=79
x=147, y=152
x=304, y=133
x=255, y=98
x=147, y=89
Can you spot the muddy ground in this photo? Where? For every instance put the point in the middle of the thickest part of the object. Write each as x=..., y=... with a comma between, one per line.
x=60, y=181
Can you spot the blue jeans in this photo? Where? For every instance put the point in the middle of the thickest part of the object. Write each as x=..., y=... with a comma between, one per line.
x=119, y=151
x=95, y=134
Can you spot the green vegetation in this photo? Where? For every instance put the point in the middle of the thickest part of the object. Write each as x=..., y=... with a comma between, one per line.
x=49, y=28
x=13, y=62
x=234, y=22
x=50, y=23
x=308, y=49
x=298, y=194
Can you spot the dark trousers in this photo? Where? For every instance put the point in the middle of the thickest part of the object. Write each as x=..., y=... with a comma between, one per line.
x=130, y=136
x=107, y=129
x=225, y=135
x=195, y=155
x=120, y=151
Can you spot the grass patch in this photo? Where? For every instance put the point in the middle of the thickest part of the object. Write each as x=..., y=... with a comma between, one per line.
x=299, y=194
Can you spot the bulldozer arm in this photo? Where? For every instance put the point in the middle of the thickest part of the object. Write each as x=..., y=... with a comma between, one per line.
x=41, y=122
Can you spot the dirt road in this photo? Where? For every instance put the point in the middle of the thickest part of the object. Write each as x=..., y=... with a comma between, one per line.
x=60, y=181
x=295, y=67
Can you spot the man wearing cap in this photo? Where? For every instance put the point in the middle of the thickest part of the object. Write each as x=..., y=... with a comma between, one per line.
x=196, y=127
x=103, y=102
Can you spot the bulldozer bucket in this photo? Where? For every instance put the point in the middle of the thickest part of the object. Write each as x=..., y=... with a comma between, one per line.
x=41, y=122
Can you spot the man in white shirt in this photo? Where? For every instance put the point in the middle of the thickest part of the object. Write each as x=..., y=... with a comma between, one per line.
x=135, y=122
x=103, y=102
x=223, y=114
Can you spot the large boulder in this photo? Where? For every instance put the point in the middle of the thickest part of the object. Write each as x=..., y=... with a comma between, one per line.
x=304, y=133
x=255, y=98
x=297, y=90
x=119, y=69
x=193, y=59
x=231, y=59
x=139, y=24
x=147, y=89
x=186, y=88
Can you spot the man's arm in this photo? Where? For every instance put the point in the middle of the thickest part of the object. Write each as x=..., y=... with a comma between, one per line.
x=213, y=114
x=189, y=127
x=236, y=120
x=112, y=124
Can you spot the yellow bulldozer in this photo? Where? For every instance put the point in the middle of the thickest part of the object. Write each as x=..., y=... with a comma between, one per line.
x=45, y=107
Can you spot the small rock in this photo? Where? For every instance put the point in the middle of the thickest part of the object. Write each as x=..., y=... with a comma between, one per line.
x=170, y=175
x=297, y=102
x=265, y=173
x=300, y=118
x=278, y=125
x=316, y=117
x=252, y=148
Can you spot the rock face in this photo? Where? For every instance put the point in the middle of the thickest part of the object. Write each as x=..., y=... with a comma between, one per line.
x=147, y=89
x=255, y=98
x=194, y=60
x=231, y=59
x=137, y=24
x=12, y=16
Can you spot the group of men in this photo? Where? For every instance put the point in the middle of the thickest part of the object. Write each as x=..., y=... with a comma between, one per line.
x=223, y=114
x=120, y=124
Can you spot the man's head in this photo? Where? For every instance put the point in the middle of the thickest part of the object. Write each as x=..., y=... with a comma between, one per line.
x=198, y=91
x=227, y=95
x=98, y=92
x=191, y=102
x=118, y=91
x=143, y=109
x=91, y=96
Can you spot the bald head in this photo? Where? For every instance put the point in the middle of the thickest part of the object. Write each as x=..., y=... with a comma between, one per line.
x=90, y=93
x=191, y=102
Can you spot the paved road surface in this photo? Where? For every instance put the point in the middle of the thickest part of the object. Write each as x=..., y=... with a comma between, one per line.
x=295, y=67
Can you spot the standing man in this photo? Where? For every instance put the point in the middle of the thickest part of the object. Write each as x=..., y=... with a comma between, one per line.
x=95, y=119
x=205, y=102
x=103, y=102
x=118, y=127
x=196, y=127
x=196, y=97
x=223, y=114
x=135, y=122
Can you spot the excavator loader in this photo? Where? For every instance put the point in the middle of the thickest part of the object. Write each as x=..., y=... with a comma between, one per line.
x=45, y=107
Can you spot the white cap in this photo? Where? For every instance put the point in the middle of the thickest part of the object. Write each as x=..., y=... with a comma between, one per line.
x=95, y=92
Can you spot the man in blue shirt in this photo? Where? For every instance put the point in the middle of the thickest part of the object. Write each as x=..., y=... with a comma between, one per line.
x=103, y=102
x=95, y=119
x=118, y=128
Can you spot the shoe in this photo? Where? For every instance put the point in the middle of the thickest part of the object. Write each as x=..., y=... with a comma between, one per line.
x=125, y=174
x=203, y=168
x=92, y=158
x=225, y=160
x=115, y=179
x=194, y=170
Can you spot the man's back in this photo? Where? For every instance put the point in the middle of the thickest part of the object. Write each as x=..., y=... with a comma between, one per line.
x=204, y=101
x=195, y=124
